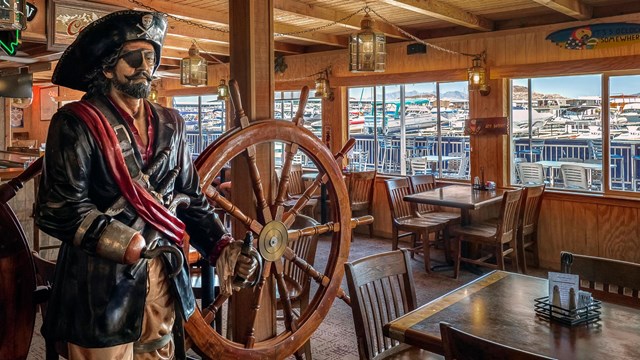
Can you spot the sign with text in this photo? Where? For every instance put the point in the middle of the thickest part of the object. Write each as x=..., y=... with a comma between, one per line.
x=596, y=36
x=487, y=126
x=68, y=17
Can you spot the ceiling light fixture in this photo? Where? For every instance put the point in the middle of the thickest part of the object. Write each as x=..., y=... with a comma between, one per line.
x=193, y=68
x=367, y=47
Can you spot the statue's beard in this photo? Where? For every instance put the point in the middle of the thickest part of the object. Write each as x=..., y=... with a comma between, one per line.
x=135, y=90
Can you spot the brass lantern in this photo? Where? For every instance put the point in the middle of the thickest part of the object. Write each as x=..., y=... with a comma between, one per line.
x=477, y=73
x=223, y=91
x=13, y=14
x=322, y=85
x=367, y=48
x=193, y=69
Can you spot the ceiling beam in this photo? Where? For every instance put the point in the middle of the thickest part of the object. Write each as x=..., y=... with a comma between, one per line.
x=330, y=15
x=314, y=36
x=215, y=19
x=574, y=8
x=443, y=11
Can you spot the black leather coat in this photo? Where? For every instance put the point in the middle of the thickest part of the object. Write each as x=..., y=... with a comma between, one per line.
x=93, y=302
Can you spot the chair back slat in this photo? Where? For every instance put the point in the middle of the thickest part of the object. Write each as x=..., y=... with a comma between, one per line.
x=381, y=289
x=296, y=185
x=305, y=247
x=396, y=191
x=460, y=345
x=420, y=183
x=360, y=189
x=532, y=200
x=603, y=275
x=509, y=214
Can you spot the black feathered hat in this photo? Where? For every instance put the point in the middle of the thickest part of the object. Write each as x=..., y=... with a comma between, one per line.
x=102, y=38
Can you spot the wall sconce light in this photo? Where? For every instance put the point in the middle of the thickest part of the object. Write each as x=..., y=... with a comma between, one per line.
x=193, y=69
x=367, y=48
x=478, y=74
x=323, y=89
x=223, y=91
x=13, y=15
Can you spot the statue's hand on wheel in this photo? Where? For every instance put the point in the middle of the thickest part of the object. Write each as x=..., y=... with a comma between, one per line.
x=246, y=265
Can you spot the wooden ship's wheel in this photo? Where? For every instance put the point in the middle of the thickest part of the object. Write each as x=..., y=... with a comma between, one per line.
x=272, y=228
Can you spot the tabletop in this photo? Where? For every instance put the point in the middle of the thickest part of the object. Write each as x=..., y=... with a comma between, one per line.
x=432, y=158
x=500, y=307
x=458, y=196
x=557, y=164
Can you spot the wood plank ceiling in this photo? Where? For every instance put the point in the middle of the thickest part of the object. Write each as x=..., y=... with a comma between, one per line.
x=307, y=26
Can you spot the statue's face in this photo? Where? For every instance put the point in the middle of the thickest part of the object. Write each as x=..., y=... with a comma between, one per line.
x=132, y=74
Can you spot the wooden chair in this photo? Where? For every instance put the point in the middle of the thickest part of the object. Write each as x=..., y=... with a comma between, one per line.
x=420, y=183
x=460, y=345
x=296, y=188
x=500, y=236
x=297, y=281
x=607, y=279
x=360, y=186
x=405, y=219
x=528, y=227
x=531, y=173
x=381, y=288
x=574, y=176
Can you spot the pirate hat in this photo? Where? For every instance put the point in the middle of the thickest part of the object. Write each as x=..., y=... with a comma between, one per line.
x=102, y=38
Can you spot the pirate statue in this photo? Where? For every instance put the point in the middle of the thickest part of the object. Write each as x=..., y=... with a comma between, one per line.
x=118, y=186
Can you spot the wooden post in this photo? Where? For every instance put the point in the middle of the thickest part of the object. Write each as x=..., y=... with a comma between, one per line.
x=491, y=152
x=252, y=60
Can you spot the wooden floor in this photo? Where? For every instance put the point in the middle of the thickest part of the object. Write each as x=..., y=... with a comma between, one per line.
x=335, y=338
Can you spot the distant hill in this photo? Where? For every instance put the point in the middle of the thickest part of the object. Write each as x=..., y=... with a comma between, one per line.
x=455, y=95
x=521, y=93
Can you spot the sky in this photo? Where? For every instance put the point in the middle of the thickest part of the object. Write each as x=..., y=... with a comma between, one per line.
x=582, y=85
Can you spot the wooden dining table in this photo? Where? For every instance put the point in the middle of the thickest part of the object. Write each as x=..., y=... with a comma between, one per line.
x=500, y=307
x=462, y=197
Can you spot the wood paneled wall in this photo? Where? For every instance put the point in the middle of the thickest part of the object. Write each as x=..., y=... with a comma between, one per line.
x=590, y=225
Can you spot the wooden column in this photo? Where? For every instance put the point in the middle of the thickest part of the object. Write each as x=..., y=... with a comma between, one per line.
x=334, y=119
x=251, y=51
x=490, y=152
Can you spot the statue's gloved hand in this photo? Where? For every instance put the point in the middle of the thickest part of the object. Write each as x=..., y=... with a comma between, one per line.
x=245, y=265
x=232, y=263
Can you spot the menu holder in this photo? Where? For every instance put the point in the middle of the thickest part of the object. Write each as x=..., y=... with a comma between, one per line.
x=588, y=314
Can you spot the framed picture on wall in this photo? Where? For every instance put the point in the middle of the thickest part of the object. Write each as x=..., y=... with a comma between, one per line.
x=48, y=102
x=67, y=17
x=17, y=117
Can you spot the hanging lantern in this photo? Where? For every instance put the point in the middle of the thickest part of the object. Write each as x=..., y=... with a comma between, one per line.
x=367, y=48
x=153, y=94
x=477, y=73
x=223, y=91
x=193, y=69
x=13, y=14
x=322, y=85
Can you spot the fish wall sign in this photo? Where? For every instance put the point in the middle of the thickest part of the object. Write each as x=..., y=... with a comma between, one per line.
x=596, y=36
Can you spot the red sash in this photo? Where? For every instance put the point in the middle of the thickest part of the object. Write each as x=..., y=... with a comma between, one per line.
x=145, y=205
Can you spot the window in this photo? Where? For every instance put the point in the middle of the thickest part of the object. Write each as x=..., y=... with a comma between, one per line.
x=559, y=127
x=285, y=107
x=410, y=129
x=205, y=119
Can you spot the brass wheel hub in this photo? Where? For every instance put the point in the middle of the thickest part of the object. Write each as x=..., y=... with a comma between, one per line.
x=273, y=241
